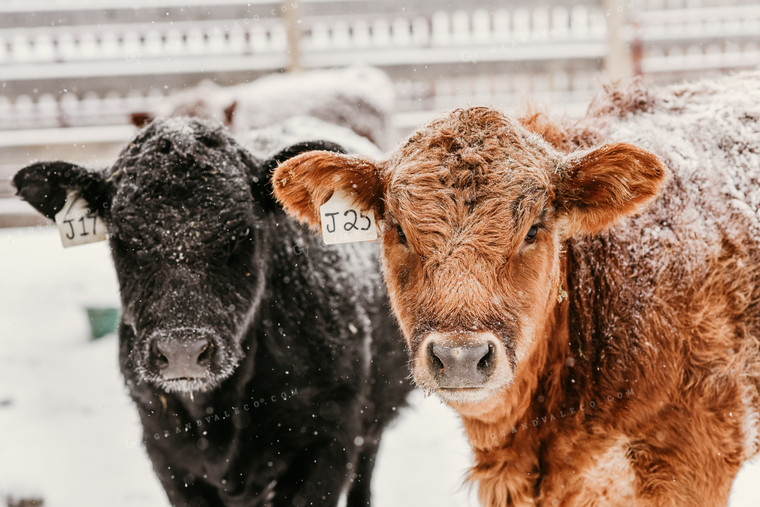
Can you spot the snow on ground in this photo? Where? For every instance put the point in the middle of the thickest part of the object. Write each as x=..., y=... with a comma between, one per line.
x=68, y=430
x=69, y=433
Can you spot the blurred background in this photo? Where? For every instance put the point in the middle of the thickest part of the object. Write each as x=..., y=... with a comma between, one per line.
x=73, y=71
x=75, y=74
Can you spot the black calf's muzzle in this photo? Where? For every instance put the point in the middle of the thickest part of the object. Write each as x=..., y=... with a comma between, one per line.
x=182, y=354
x=182, y=359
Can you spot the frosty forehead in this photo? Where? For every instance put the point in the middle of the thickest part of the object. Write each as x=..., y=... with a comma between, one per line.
x=180, y=147
x=189, y=174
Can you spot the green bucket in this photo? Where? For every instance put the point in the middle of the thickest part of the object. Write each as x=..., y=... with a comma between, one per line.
x=103, y=320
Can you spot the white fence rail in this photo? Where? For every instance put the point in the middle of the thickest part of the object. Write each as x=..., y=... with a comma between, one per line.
x=685, y=42
x=84, y=71
x=81, y=65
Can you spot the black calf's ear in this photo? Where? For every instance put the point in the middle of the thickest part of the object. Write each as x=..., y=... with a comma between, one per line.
x=298, y=148
x=257, y=178
x=261, y=185
x=45, y=185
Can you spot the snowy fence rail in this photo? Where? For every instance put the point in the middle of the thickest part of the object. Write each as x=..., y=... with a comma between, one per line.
x=324, y=25
x=687, y=42
x=86, y=69
x=86, y=65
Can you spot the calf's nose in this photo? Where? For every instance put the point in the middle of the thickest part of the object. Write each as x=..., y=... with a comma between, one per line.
x=178, y=359
x=460, y=365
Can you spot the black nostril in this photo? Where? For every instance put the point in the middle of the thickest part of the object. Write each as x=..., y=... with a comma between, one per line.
x=435, y=362
x=485, y=363
x=207, y=351
x=158, y=355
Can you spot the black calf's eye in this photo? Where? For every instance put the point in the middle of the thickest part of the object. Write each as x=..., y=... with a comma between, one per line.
x=143, y=257
x=239, y=247
x=401, y=235
x=210, y=141
x=531, y=236
x=164, y=146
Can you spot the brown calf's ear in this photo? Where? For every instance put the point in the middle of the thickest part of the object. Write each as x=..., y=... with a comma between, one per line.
x=599, y=187
x=303, y=183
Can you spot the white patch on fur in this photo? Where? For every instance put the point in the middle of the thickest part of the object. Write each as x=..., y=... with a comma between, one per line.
x=332, y=95
x=611, y=476
x=266, y=141
x=750, y=422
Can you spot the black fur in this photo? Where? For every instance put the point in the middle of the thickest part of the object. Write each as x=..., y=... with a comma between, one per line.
x=306, y=369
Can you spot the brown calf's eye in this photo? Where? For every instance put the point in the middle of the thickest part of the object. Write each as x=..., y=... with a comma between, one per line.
x=531, y=236
x=401, y=235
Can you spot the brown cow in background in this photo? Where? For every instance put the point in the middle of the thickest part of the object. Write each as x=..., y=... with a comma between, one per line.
x=596, y=356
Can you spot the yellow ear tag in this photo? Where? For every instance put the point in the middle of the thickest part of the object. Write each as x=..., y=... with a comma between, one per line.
x=342, y=222
x=77, y=224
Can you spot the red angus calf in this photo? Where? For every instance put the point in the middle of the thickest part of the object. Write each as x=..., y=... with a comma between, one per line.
x=601, y=346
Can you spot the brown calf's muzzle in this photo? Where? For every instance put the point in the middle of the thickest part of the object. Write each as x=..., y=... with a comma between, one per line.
x=462, y=366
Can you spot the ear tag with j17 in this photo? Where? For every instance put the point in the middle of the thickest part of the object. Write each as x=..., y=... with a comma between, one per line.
x=77, y=223
x=342, y=222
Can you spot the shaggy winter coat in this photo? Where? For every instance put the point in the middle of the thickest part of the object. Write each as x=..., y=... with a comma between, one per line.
x=264, y=365
x=585, y=295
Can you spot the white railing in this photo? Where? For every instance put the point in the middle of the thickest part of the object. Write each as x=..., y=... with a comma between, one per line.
x=112, y=58
x=81, y=64
x=696, y=40
x=61, y=75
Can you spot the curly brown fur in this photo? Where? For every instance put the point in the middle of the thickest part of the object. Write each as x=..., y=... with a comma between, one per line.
x=617, y=288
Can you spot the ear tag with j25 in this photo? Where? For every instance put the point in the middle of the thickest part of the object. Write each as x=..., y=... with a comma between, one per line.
x=342, y=222
x=78, y=224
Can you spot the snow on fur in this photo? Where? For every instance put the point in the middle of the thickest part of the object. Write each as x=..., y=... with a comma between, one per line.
x=360, y=98
x=263, y=364
x=589, y=303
